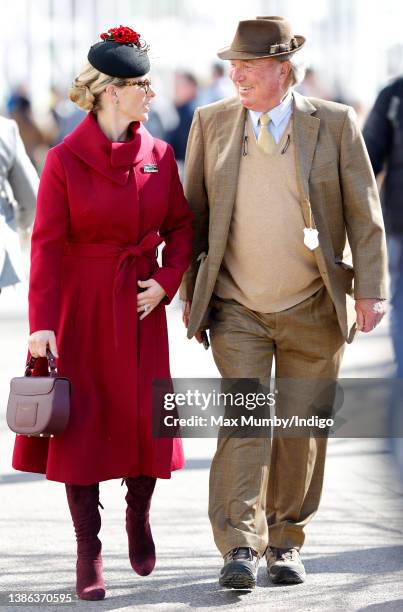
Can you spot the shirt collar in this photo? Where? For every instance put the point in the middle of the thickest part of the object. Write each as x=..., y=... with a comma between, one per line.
x=277, y=113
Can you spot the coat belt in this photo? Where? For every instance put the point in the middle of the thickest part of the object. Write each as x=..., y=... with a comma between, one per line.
x=125, y=279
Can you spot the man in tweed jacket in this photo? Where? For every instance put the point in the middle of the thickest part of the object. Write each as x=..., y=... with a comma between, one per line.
x=288, y=261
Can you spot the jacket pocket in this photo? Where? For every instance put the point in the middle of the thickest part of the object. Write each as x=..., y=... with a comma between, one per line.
x=346, y=275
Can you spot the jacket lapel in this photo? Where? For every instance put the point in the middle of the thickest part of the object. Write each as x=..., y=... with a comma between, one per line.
x=230, y=125
x=306, y=129
x=306, y=136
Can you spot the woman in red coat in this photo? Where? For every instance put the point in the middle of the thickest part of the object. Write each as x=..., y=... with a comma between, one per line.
x=109, y=195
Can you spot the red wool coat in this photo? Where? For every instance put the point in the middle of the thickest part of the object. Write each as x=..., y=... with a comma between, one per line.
x=100, y=217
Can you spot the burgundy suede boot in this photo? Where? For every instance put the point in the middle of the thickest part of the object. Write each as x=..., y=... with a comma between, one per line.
x=141, y=544
x=83, y=503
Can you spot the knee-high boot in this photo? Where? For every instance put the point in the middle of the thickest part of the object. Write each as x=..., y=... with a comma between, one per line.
x=141, y=544
x=83, y=503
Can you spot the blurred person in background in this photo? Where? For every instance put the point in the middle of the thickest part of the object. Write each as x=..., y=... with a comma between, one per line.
x=35, y=140
x=109, y=196
x=163, y=117
x=219, y=88
x=186, y=92
x=313, y=86
x=66, y=115
x=18, y=188
x=17, y=97
x=155, y=125
x=281, y=188
x=383, y=134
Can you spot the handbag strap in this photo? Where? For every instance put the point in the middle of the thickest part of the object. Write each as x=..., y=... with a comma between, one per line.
x=51, y=364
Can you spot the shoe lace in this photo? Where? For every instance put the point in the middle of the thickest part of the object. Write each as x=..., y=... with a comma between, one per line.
x=242, y=553
x=286, y=554
x=289, y=554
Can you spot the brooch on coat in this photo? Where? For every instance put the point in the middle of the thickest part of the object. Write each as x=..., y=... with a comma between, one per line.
x=149, y=168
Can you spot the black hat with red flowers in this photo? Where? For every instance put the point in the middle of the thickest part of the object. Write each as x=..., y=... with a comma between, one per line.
x=122, y=53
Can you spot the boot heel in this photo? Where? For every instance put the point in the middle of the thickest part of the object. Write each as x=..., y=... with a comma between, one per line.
x=90, y=583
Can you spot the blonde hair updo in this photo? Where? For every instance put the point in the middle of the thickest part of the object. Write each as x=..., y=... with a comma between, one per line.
x=88, y=86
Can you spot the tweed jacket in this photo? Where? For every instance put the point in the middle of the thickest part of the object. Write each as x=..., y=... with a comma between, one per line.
x=337, y=179
x=18, y=188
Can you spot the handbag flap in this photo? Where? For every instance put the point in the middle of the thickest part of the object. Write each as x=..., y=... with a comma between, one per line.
x=32, y=385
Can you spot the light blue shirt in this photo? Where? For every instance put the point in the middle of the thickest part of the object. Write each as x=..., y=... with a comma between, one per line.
x=279, y=116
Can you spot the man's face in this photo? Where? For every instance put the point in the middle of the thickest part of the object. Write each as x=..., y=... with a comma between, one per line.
x=258, y=81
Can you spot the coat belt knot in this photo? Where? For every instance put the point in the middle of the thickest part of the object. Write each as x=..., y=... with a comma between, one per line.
x=125, y=281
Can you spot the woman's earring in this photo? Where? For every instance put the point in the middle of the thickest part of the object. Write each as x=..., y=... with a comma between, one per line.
x=117, y=100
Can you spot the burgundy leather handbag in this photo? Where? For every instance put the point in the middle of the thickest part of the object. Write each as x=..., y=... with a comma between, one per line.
x=39, y=405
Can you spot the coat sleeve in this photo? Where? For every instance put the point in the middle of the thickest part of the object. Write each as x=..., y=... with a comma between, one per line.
x=24, y=182
x=362, y=213
x=47, y=245
x=378, y=131
x=196, y=195
x=177, y=233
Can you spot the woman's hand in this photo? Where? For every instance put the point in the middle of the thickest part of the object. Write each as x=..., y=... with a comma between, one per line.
x=151, y=297
x=39, y=341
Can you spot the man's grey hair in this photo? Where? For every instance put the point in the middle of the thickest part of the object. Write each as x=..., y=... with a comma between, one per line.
x=298, y=68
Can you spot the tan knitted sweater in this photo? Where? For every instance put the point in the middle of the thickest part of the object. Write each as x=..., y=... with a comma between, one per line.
x=266, y=265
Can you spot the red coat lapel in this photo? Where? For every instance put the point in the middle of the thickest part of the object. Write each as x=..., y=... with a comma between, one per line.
x=112, y=159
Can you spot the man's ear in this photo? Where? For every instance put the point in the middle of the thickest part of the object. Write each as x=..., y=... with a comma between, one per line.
x=285, y=72
x=285, y=69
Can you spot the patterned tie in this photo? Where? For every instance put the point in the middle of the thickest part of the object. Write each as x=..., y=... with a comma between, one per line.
x=265, y=139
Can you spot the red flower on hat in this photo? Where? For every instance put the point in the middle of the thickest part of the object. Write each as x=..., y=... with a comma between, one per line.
x=124, y=35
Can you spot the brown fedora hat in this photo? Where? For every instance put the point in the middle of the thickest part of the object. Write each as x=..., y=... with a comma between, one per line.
x=262, y=37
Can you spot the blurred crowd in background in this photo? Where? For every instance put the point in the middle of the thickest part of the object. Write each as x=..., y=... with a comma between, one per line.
x=353, y=48
x=170, y=118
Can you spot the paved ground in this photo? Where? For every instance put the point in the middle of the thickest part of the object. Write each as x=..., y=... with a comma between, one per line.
x=353, y=552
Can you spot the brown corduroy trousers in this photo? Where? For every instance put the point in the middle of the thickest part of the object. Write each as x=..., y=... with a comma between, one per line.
x=265, y=491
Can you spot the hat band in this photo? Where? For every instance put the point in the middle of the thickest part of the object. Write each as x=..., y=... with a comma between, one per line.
x=283, y=47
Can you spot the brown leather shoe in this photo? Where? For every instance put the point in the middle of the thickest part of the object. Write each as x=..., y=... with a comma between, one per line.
x=284, y=565
x=240, y=569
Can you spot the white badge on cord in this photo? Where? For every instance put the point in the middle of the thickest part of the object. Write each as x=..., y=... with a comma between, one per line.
x=311, y=239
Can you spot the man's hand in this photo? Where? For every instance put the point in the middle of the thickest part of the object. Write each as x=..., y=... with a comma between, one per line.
x=150, y=298
x=369, y=313
x=186, y=306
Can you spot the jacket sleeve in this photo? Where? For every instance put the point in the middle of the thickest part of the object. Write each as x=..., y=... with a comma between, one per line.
x=177, y=233
x=24, y=182
x=47, y=245
x=196, y=195
x=378, y=131
x=362, y=213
